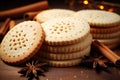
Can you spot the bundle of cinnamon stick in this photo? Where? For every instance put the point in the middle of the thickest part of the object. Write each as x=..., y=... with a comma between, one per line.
x=109, y=54
x=18, y=12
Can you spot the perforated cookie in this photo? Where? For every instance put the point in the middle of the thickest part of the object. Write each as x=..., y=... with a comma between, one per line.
x=53, y=13
x=99, y=18
x=64, y=56
x=69, y=48
x=64, y=31
x=21, y=42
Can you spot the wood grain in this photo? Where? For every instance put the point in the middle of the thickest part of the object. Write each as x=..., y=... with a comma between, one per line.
x=8, y=72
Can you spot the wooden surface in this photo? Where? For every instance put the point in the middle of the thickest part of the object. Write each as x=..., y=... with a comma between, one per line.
x=71, y=73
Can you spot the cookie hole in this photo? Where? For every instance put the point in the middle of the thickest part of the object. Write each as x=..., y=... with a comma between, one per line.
x=50, y=29
x=14, y=56
x=20, y=46
x=31, y=26
x=24, y=45
x=26, y=39
x=5, y=53
x=19, y=34
x=55, y=29
x=13, y=40
x=61, y=29
x=69, y=28
x=15, y=48
x=13, y=35
x=16, y=35
x=66, y=31
x=83, y=29
x=16, y=31
x=61, y=26
x=21, y=30
x=80, y=31
x=19, y=43
x=35, y=33
x=23, y=52
x=33, y=38
x=22, y=38
x=10, y=44
x=10, y=40
x=11, y=48
x=58, y=32
x=23, y=41
x=34, y=29
x=24, y=35
x=9, y=56
x=52, y=32
x=18, y=39
x=4, y=50
x=14, y=44
x=31, y=43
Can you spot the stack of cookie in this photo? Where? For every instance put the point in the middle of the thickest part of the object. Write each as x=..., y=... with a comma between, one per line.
x=105, y=26
x=67, y=41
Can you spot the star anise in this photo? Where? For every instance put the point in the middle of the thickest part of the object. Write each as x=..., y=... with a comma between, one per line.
x=95, y=62
x=33, y=70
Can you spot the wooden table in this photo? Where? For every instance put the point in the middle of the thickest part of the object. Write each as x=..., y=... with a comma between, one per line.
x=8, y=72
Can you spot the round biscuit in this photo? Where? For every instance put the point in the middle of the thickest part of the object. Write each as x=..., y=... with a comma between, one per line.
x=69, y=48
x=22, y=42
x=64, y=31
x=99, y=18
x=62, y=63
x=53, y=13
x=104, y=30
x=111, y=43
x=106, y=36
x=64, y=56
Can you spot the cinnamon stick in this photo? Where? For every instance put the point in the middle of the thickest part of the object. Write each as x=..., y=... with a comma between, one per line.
x=113, y=57
x=30, y=15
x=12, y=23
x=18, y=12
x=4, y=28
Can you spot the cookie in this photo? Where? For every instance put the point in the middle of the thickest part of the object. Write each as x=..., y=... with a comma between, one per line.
x=106, y=36
x=111, y=43
x=65, y=31
x=64, y=63
x=69, y=48
x=53, y=13
x=65, y=56
x=104, y=30
x=22, y=42
x=99, y=18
